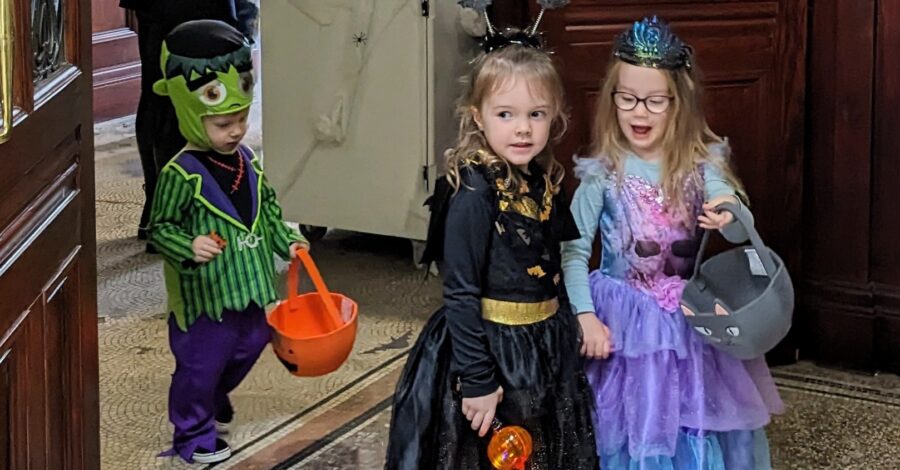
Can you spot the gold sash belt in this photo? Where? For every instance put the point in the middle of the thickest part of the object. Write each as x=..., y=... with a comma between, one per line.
x=518, y=313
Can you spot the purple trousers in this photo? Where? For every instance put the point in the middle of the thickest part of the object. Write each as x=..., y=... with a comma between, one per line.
x=211, y=359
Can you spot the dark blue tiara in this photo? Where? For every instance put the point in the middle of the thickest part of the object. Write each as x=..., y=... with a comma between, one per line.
x=651, y=43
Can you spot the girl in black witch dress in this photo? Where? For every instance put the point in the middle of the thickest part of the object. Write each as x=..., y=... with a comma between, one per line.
x=506, y=342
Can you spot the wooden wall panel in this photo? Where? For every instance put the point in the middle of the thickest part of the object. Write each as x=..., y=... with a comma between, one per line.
x=884, y=256
x=117, y=68
x=837, y=299
x=106, y=15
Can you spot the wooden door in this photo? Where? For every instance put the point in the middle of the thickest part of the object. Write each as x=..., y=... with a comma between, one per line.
x=48, y=322
x=752, y=54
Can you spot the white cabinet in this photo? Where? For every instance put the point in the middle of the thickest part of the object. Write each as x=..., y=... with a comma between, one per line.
x=358, y=106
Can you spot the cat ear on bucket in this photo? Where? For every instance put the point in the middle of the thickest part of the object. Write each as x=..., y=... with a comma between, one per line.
x=719, y=309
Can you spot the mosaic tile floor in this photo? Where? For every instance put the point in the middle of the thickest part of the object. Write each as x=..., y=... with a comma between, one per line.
x=835, y=419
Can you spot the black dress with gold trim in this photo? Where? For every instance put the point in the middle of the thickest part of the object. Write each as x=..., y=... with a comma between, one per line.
x=506, y=320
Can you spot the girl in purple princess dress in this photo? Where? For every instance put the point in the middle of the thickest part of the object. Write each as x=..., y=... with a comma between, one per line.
x=664, y=399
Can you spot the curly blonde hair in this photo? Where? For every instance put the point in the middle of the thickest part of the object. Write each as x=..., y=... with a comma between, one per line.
x=491, y=72
x=687, y=140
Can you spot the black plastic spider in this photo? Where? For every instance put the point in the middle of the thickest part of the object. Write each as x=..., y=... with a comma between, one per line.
x=360, y=38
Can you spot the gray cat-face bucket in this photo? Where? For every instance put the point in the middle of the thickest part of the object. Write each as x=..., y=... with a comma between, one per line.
x=740, y=301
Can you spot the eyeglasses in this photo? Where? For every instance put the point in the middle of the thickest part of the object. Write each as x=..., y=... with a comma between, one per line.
x=656, y=104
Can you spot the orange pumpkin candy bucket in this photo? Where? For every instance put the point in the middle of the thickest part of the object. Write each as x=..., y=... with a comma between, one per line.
x=314, y=332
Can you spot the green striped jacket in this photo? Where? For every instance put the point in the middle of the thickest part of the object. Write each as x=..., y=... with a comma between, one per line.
x=189, y=203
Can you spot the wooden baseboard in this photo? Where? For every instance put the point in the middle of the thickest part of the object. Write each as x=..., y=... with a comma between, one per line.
x=851, y=324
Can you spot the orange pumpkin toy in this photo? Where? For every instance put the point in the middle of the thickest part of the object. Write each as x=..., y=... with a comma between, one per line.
x=510, y=447
x=314, y=332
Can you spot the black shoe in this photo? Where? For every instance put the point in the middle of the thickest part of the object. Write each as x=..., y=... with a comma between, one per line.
x=151, y=249
x=142, y=233
x=221, y=453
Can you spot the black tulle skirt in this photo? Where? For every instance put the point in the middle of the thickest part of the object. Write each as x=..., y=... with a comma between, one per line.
x=545, y=391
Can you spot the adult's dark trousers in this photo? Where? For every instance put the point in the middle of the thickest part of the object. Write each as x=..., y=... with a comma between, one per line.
x=156, y=126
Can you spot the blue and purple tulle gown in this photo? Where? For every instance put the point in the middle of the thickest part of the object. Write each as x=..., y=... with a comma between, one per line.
x=664, y=398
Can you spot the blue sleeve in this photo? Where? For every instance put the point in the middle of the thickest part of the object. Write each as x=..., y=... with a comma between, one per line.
x=717, y=185
x=576, y=254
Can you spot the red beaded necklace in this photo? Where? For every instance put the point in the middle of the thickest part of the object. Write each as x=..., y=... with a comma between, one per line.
x=240, y=171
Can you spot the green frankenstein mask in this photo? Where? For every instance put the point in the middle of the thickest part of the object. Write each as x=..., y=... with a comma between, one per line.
x=207, y=71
